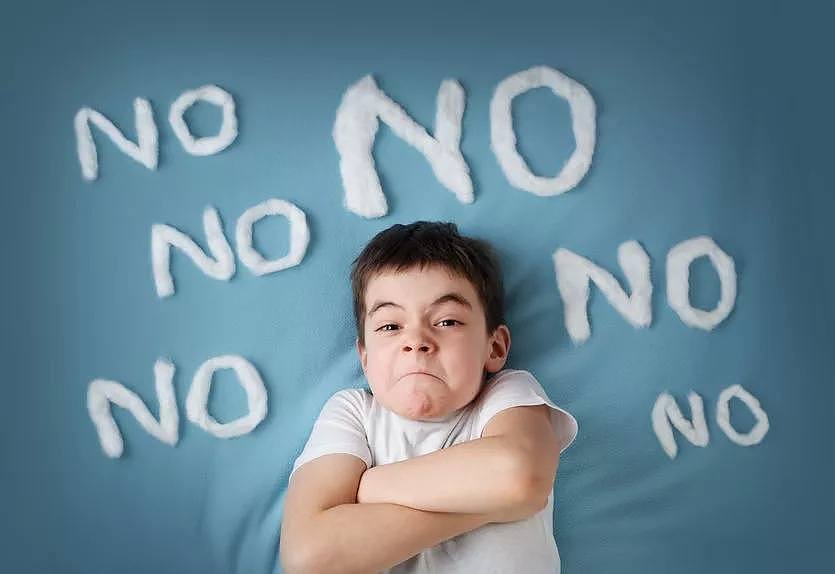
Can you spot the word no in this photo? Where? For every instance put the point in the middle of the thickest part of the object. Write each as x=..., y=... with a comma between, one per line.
x=355, y=128
x=101, y=393
x=666, y=410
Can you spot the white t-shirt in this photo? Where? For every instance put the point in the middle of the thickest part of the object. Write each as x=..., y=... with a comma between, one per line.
x=353, y=422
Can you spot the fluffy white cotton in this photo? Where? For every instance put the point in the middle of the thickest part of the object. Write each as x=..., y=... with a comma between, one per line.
x=503, y=136
x=356, y=126
x=145, y=151
x=249, y=379
x=679, y=259
x=101, y=393
x=211, y=144
x=723, y=416
x=163, y=237
x=299, y=236
x=574, y=273
x=666, y=410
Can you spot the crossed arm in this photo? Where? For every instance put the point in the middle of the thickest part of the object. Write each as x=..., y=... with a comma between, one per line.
x=486, y=475
x=402, y=508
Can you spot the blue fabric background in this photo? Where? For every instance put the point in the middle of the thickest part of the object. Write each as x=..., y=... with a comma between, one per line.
x=714, y=118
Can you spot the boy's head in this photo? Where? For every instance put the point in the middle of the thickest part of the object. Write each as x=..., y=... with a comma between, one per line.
x=429, y=310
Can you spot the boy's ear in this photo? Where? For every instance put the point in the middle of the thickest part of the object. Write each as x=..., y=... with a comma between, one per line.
x=499, y=349
x=362, y=353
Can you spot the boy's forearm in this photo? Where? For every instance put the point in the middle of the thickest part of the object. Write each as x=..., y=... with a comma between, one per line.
x=369, y=538
x=477, y=476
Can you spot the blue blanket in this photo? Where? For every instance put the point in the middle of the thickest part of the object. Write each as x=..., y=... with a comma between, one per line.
x=711, y=120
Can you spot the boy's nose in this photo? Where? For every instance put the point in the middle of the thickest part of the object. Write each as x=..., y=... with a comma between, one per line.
x=424, y=347
x=418, y=341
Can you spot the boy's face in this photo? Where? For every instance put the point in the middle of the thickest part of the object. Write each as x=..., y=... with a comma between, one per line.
x=425, y=351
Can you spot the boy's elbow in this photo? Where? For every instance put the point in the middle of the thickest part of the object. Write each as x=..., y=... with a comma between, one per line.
x=292, y=562
x=529, y=491
x=299, y=558
x=532, y=482
x=299, y=561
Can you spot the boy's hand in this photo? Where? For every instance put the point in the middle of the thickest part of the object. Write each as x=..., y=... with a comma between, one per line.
x=364, y=490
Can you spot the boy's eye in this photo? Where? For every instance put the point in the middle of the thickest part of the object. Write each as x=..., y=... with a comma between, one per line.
x=393, y=326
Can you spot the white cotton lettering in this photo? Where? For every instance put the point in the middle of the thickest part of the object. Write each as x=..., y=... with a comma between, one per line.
x=145, y=151
x=299, y=236
x=574, y=273
x=101, y=393
x=211, y=144
x=679, y=259
x=198, y=397
x=163, y=237
x=356, y=126
x=666, y=410
x=503, y=136
x=723, y=416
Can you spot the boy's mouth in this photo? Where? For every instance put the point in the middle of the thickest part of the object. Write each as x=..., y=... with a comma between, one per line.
x=419, y=373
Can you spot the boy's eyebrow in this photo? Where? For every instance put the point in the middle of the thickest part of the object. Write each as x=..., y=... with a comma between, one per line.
x=452, y=296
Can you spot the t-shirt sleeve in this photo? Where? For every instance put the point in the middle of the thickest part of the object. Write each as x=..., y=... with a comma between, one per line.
x=516, y=388
x=340, y=428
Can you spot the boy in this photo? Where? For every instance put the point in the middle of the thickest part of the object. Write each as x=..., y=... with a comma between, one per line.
x=448, y=463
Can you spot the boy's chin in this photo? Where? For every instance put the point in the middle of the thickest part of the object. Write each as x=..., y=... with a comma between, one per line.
x=417, y=404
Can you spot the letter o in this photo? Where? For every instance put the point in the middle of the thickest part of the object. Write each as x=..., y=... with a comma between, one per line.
x=198, y=397
x=503, y=138
x=723, y=416
x=211, y=144
x=299, y=236
x=679, y=259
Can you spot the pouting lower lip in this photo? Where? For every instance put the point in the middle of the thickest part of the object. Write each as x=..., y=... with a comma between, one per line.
x=419, y=373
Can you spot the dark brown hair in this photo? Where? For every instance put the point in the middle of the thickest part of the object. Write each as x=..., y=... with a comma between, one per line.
x=422, y=243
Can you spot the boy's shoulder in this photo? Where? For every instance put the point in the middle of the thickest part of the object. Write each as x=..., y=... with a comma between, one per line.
x=508, y=387
x=359, y=392
x=354, y=394
x=517, y=387
x=356, y=401
x=520, y=375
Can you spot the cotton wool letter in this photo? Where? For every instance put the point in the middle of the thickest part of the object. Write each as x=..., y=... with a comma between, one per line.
x=574, y=273
x=145, y=151
x=164, y=237
x=299, y=236
x=503, y=136
x=356, y=127
x=211, y=144
x=101, y=393
x=666, y=411
x=248, y=378
x=679, y=259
